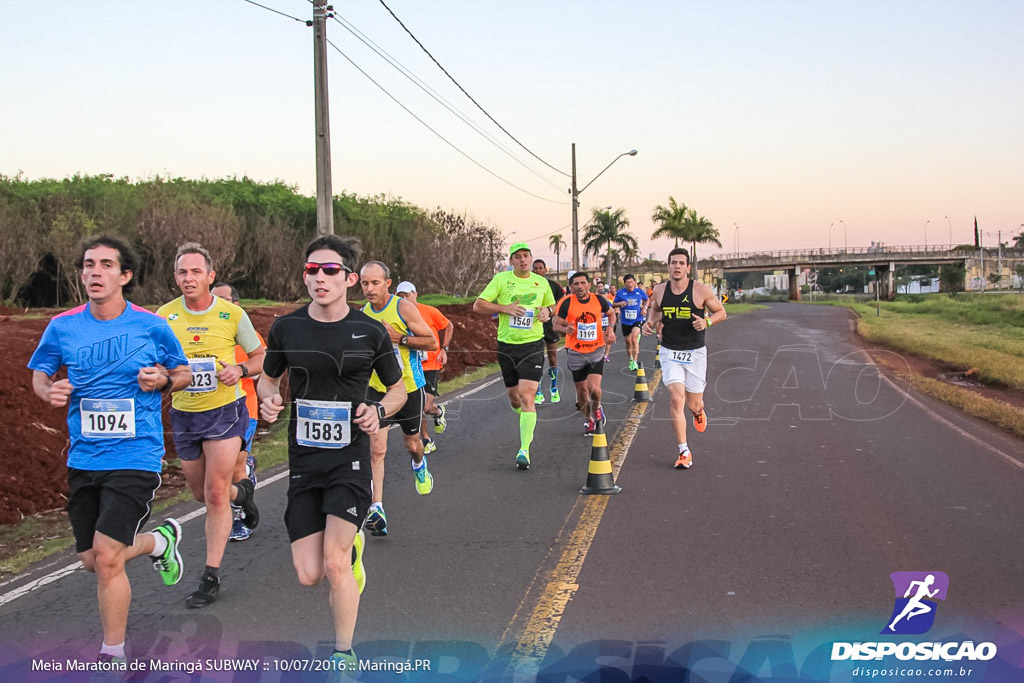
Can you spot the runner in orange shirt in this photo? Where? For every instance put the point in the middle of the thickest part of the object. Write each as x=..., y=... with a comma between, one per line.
x=581, y=318
x=433, y=362
x=246, y=464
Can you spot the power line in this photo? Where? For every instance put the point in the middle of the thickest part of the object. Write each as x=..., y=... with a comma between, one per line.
x=271, y=9
x=402, y=69
x=428, y=127
x=534, y=239
x=452, y=79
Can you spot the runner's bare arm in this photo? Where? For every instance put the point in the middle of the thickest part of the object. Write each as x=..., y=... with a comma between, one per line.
x=155, y=378
x=562, y=325
x=367, y=418
x=421, y=338
x=651, y=324
x=268, y=390
x=712, y=304
x=446, y=340
x=490, y=308
x=54, y=393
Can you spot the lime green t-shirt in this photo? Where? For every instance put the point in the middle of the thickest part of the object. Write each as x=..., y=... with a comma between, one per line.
x=531, y=293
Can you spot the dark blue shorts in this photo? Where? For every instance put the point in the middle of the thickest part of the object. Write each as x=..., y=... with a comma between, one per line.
x=250, y=432
x=190, y=430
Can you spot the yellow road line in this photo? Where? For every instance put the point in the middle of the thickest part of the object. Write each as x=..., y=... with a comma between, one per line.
x=560, y=583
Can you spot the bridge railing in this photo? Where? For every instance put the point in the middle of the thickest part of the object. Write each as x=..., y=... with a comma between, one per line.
x=929, y=249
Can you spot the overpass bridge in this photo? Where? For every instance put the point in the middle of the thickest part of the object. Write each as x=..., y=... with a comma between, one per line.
x=884, y=259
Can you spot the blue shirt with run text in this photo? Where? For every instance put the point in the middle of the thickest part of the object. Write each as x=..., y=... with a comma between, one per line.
x=103, y=359
x=634, y=302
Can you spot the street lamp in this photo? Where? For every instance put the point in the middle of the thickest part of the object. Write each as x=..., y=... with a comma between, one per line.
x=926, y=232
x=846, y=242
x=830, y=236
x=736, y=237
x=950, y=230
x=575, y=194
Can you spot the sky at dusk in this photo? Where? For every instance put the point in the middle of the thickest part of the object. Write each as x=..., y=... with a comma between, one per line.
x=893, y=121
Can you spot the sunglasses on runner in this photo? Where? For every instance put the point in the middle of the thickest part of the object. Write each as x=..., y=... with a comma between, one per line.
x=328, y=268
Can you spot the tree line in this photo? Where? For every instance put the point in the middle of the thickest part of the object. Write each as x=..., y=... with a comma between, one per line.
x=255, y=231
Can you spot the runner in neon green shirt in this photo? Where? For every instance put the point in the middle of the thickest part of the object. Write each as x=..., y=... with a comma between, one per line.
x=523, y=302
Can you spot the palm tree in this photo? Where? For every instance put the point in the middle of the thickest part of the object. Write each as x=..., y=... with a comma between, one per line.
x=556, y=243
x=671, y=220
x=605, y=229
x=699, y=230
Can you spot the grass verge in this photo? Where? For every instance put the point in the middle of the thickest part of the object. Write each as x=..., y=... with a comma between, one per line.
x=981, y=331
x=996, y=412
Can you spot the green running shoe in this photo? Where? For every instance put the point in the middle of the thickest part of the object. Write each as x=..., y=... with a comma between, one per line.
x=358, y=570
x=343, y=667
x=523, y=459
x=377, y=521
x=539, y=398
x=429, y=446
x=632, y=365
x=439, y=422
x=555, y=396
x=424, y=479
x=169, y=564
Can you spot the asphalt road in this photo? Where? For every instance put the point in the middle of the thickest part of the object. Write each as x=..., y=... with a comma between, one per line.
x=815, y=480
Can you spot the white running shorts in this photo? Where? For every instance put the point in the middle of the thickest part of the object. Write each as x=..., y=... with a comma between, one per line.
x=689, y=367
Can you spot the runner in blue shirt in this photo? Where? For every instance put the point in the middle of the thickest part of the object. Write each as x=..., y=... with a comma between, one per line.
x=633, y=302
x=119, y=358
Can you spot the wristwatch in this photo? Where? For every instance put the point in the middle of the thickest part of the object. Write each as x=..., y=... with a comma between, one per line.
x=245, y=370
x=168, y=384
x=444, y=348
x=381, y=413
x=404, y=341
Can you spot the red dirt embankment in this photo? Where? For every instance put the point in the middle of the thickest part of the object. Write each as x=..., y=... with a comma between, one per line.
x=33, y=437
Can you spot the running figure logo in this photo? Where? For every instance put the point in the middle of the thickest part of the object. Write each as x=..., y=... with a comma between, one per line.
x=914, y=612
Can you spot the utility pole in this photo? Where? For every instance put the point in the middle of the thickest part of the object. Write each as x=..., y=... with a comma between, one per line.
x=324, y=196
x=575, y=215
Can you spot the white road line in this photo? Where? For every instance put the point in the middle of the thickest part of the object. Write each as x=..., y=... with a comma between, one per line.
x=64, y=571
x=962, y=432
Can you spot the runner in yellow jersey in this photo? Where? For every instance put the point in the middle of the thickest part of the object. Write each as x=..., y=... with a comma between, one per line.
x=209, y=418
x=409, y=334
x=523, y=302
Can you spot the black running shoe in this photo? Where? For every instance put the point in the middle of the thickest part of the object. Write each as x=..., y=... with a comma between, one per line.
x=250, y=514
x=209, y=589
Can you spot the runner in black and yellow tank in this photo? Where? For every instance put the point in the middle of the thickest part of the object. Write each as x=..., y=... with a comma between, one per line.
x=523, y=302
x=209, y=418
x=679, y=305
x=409, y=334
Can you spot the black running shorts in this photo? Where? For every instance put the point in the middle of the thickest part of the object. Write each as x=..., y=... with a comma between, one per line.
x=550, y=336
x=115, y=503
x=344, y=492
x=521, y=362
x=430, y=376
x=408, y=418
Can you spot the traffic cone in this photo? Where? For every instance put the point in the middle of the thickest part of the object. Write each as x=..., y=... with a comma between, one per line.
x=640, y=392
x=657, y=357
x=599, y=474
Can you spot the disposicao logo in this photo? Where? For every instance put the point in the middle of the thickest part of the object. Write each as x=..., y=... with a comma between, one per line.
x=914, y=610
x=913, y=613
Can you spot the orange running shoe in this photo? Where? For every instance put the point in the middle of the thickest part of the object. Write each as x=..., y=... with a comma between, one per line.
x=685, y=460
x=700, y=421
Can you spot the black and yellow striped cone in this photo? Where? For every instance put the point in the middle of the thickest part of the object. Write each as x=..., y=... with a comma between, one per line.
x=657, y=357
x=640, y=392
x=599, y=474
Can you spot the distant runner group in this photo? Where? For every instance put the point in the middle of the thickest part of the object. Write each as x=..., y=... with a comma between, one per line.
x=352, y=374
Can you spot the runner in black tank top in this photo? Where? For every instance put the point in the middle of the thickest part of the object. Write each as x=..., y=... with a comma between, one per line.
x=683, y=353
x=678, y=312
